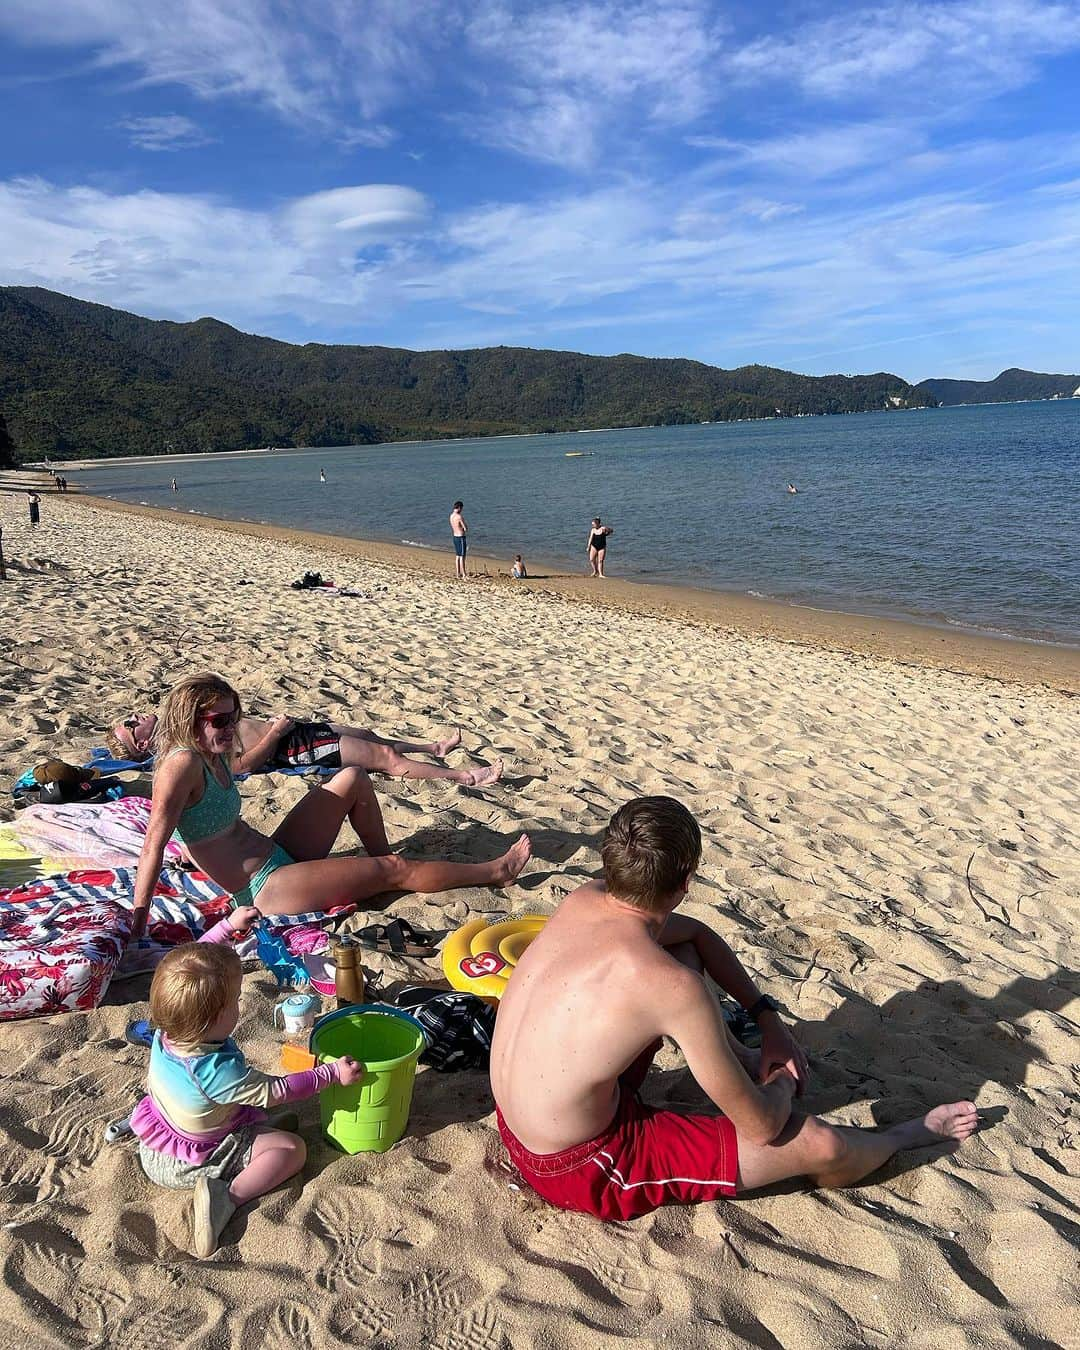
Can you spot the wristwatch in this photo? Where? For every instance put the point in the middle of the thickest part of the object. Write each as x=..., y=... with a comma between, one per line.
x=764, y=1004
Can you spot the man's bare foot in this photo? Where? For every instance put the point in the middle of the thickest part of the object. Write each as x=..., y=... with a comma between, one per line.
x=955, y=1120
x=513, y=861
x=484, y=777
x=440, y=749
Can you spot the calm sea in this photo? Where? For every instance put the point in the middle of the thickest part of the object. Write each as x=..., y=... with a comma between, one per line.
x=959, y=516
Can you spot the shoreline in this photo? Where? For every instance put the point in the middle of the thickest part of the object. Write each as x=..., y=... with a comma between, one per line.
x=1008, y=659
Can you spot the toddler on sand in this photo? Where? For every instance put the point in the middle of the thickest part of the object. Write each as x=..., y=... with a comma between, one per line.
x=203, y=1124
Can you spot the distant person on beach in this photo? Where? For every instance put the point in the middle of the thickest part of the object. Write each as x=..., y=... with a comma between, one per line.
x=63, y=485
x=792, y=489
x=284, y=743
x=33, y=501
x=289, y=871
x=613, y=971
x=517, y=570
x=175, y=486
x=459, y=529
x=322, y=475
x=598, y=537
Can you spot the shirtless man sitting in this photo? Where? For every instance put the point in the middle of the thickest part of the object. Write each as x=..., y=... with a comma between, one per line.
x=613, y=971
x=285, y=743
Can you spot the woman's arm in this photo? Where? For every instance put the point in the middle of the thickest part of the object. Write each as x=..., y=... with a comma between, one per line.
x=174, y=784
x=264, y=747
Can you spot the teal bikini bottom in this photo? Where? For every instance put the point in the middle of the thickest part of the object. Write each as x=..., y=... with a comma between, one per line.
x=246, y=896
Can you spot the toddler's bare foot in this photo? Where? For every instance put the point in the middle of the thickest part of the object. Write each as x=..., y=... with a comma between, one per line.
x=484, y=777
x=955, y=1120
x=513, y=861
x=441, y=749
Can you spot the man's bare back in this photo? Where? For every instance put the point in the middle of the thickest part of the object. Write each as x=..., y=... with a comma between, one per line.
x=576, y=1014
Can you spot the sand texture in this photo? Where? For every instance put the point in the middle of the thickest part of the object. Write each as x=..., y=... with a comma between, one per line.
x=892, y=849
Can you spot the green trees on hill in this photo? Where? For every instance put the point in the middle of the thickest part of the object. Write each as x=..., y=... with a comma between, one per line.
x=82, y=380
x=7, y=449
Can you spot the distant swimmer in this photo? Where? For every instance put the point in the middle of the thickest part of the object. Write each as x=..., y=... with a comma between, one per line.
x=175, y=486
x=322, y=475
x=792, y=489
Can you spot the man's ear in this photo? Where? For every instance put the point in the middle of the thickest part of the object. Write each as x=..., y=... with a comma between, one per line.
x=687, y=882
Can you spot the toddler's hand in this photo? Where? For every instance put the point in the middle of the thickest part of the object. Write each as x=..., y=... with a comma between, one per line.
x=241, y=919
x=349, y=1071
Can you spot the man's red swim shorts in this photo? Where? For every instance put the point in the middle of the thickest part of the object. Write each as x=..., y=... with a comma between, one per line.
x=644, y=1159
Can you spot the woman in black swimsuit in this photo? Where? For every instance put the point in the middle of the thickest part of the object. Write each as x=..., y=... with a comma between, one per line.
x=598, y=545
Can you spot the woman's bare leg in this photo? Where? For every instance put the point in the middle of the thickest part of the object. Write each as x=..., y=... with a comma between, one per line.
x=378, y=756
x=601, y=554
x=440, y=749
x=317, y=885
x=592, y=560
x=312, y=826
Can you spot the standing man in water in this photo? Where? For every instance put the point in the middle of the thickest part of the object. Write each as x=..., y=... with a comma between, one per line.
x=459, y=529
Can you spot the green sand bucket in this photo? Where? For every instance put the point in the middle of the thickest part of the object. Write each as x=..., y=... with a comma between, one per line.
x=369, y=1116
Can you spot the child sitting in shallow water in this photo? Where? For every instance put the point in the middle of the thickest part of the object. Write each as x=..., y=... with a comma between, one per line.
x=203, y=1124
x=517, y=571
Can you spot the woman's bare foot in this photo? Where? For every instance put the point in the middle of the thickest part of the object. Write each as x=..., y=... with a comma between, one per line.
x=484, y=777
x=955, y=1120
x=440, y=749
x=513, y=861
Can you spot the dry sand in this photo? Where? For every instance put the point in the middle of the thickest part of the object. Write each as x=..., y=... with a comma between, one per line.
x=891, y=848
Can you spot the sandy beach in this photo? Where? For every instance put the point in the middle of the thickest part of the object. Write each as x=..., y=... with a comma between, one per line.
x=890, y=846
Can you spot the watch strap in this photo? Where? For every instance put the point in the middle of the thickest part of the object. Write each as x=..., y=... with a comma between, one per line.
x=764, y=1004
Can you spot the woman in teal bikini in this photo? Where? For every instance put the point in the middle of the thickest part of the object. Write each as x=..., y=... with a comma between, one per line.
x=287, y=872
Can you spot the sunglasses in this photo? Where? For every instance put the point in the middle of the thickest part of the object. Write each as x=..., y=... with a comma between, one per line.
x=219, y=721
x=130, y=722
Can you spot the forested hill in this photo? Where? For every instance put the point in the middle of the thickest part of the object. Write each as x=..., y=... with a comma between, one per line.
x=1010, y=387
x=82, y=380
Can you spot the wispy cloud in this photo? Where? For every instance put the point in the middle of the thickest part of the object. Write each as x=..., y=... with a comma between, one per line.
x=170, y=131
x=914, y=51
x=305, y=63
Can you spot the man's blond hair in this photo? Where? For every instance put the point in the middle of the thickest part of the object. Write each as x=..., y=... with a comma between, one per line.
x=651, y=846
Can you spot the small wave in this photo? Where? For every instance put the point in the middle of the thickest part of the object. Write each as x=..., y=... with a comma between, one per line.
x=415, y=543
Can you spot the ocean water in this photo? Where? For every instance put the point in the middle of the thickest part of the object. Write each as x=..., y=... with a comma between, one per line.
x=953, y=516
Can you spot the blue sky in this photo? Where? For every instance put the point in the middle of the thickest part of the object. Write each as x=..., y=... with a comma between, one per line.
x=819, y=187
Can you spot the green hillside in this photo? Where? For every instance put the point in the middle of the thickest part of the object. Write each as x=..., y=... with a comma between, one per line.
x=81, y=380
x=1011, y=386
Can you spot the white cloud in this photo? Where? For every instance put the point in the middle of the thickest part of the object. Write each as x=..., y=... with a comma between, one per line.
x=304, y=62
x=182, y=255
x=574, y=68
x=168, y=132
x=911, y=52
x=375, y=213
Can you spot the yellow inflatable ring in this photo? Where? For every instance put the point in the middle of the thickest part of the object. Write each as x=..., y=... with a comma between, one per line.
x=480, y=958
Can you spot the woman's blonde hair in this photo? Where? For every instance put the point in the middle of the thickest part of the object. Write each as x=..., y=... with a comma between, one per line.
x=183, y=705
x=190, y=989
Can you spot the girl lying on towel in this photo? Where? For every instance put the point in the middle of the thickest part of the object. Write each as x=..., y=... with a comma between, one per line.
x=203, y=1125
x=287, y=872
x=283, y=743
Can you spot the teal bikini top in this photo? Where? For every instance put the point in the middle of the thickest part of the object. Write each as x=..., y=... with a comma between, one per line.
x=213, y=813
